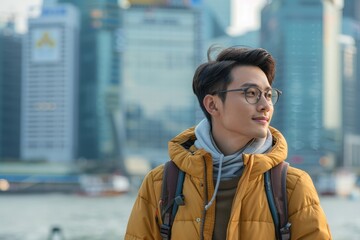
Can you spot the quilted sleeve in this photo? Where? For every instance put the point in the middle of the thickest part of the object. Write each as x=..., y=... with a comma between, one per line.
x=307, y=218
x=142, y=223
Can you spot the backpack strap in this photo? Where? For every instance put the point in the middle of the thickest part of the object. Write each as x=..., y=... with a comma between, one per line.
x=171, y=197
x=275, y=188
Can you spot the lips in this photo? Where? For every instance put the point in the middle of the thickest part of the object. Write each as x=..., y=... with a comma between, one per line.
x=262, y=118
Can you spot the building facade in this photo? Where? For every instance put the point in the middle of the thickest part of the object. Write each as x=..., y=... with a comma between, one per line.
x=350, y=59
x=99, y=67
x=162, y=48
x=10, y=92
x=303, y=37
x=50, y=83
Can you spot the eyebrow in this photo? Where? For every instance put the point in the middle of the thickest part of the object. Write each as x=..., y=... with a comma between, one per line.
x=253, y=85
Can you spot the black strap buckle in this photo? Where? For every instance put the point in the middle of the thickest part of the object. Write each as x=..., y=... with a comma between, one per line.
x=285, y=231
x=165, y=232
x=180, y=200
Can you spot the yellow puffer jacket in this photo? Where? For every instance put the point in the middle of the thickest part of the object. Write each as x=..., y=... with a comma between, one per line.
x=250, y=215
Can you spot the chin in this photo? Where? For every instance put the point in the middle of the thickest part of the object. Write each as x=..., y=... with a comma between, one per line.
x=262, y=133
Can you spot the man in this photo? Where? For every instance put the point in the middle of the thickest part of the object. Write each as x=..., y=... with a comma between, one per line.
x=225, y=157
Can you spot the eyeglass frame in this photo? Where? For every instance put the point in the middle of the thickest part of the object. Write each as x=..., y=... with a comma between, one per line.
x=262, y=93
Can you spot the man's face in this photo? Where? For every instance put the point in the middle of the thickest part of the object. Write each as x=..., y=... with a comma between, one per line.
x=236, y=116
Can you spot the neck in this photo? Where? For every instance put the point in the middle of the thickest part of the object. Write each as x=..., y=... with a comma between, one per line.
x=228, y=142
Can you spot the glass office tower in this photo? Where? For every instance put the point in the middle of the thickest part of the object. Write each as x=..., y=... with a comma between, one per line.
x=49, y=89
x=99, y=77
x=10, y=92
x=350, y=59
x=162, y=48
x=303, y=37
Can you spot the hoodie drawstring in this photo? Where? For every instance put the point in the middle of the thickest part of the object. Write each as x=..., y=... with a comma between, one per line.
x=217, y=183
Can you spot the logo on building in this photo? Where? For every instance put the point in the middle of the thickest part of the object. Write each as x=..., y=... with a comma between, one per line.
x=45, y=45
x=46, y=39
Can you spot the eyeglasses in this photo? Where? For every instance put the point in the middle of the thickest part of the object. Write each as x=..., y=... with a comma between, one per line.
x=253, y=94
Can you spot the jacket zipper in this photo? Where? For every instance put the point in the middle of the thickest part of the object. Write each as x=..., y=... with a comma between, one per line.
x=205, y=202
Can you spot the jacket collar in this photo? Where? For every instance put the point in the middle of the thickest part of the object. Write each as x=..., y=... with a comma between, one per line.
x=191, y=160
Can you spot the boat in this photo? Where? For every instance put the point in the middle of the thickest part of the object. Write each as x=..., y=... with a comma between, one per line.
x=103, y=184
x=340, y=183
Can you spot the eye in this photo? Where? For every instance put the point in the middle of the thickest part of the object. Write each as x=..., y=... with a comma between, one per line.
x=269, y=94
x=251, y=92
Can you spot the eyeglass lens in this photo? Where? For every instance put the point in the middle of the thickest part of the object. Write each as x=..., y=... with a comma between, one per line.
x=253, y=95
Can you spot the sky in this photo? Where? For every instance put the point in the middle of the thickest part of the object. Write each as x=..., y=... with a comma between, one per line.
x=245, y=13
x=21, y=8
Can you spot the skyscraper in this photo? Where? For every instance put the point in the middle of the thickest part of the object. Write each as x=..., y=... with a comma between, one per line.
x=350, y=60
x=220, y=10
x=49, y=90
x=302, y=35
x=10, y=92
x=162, y=48
x=99, y=79
x=352, y=9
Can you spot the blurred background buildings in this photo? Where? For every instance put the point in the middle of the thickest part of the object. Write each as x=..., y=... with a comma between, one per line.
x=10, y=91
x=103, y=84
x=50, y=86
x=303, y=36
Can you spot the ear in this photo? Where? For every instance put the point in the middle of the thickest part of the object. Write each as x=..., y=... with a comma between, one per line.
x=210, y=103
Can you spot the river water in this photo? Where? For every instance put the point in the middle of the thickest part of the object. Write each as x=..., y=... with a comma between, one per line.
x=30, y=217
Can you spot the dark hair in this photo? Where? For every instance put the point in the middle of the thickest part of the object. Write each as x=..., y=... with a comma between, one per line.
x=215, y=75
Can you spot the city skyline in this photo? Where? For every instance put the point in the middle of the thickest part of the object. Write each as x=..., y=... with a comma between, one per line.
x=127, y=55
x=102, y=93
x=245, y=14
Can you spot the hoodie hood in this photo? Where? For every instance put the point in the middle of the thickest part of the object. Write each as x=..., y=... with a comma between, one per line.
x=190, y=159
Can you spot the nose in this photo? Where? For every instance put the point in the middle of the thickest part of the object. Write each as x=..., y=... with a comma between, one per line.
x=264, y=105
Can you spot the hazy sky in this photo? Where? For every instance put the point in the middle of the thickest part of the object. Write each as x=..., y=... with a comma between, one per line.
x=244, y=12
x=22, y=8
x=245, y=15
